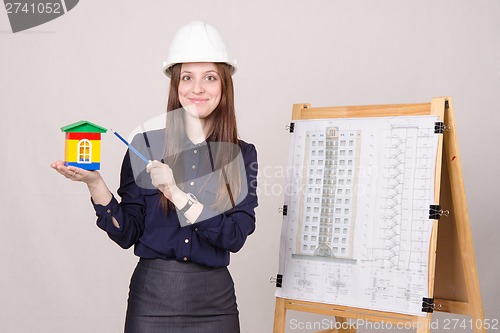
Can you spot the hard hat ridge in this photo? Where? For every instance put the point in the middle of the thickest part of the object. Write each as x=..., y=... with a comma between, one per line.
x=197, y=42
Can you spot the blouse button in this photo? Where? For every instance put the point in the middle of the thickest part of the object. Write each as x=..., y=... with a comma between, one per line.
x=186, y=241
x=108, y=211
x=193, y=167
x=195, y=151
x=192, y=183
x=185, y=258
x=195, y=229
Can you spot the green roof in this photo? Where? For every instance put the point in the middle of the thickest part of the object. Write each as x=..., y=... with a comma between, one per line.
x=83, y=126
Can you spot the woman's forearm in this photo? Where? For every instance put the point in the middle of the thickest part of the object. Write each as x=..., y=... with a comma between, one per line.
x=101, y=195
x=99, y=191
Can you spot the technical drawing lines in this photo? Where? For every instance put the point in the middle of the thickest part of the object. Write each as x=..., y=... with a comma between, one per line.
x=405, y=182
x=338, y=281
x=357, y=228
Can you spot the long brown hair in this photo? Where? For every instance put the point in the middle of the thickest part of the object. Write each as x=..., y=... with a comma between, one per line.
x=223, y=130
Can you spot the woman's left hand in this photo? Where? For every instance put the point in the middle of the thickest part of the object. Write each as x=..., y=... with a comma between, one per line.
x=162, y=178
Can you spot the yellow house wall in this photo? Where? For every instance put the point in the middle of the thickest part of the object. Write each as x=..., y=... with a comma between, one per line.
x=71, y=151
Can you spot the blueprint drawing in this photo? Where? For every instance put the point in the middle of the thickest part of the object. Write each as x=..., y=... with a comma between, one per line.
x=357, y=229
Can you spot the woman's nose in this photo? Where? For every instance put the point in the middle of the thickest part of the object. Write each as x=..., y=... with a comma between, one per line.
x=198, y=87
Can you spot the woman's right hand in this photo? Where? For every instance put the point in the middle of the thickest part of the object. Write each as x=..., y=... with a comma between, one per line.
x=76, y=174
x=96, y=185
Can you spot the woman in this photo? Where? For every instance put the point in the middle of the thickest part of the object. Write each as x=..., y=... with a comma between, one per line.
x=191, y=211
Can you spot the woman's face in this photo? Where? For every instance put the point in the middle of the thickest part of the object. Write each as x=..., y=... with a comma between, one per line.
x=200, y=86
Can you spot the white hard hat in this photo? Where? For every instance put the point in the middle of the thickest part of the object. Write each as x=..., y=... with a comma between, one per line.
x=197, y=42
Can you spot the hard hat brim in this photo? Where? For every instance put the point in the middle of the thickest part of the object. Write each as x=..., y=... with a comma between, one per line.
x=167, y=66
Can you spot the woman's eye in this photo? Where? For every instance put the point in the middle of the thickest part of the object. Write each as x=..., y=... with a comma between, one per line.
x=211, y=78
x=185, y=78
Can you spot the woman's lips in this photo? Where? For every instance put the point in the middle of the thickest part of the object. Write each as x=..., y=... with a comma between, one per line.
x=198, y=100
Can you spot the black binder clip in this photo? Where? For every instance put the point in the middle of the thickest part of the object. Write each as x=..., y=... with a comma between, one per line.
x=290, y=127
x=278, y=280
x=428, y=305
x=440, y=127
x=435, y=212
x=283, y=210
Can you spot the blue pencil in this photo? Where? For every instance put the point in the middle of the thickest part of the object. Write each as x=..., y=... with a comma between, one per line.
x=131, y=147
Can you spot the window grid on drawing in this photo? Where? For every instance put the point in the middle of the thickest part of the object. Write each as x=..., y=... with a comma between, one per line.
x=333, y=152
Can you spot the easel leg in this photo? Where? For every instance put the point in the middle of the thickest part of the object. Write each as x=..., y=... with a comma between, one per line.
x=423, y=324
x=463, y=224
x=279, y=316
x=344, y=325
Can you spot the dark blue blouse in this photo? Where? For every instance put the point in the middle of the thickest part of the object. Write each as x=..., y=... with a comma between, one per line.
x=159, y=235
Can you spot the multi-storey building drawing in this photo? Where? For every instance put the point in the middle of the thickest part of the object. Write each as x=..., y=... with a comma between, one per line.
x=356, y=225
x=328, y=206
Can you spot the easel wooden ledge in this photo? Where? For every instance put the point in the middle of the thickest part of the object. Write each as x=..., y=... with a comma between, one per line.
x=453, y=278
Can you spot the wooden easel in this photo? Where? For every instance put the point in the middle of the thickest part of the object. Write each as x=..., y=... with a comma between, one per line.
x=453, y=279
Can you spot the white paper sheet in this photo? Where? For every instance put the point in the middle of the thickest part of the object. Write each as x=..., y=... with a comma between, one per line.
x=357, y=230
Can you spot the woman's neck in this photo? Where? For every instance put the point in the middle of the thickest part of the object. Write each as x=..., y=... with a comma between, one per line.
x=197, y=130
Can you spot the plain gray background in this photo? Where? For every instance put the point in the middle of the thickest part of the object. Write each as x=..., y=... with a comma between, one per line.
x=102, y=62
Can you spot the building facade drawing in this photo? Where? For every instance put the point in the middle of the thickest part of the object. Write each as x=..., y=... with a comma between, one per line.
x=328, y=207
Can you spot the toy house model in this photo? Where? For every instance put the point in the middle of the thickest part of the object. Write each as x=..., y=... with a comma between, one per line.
x=83, y=145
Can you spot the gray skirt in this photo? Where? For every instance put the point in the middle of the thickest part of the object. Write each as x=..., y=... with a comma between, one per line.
x=168, y=296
